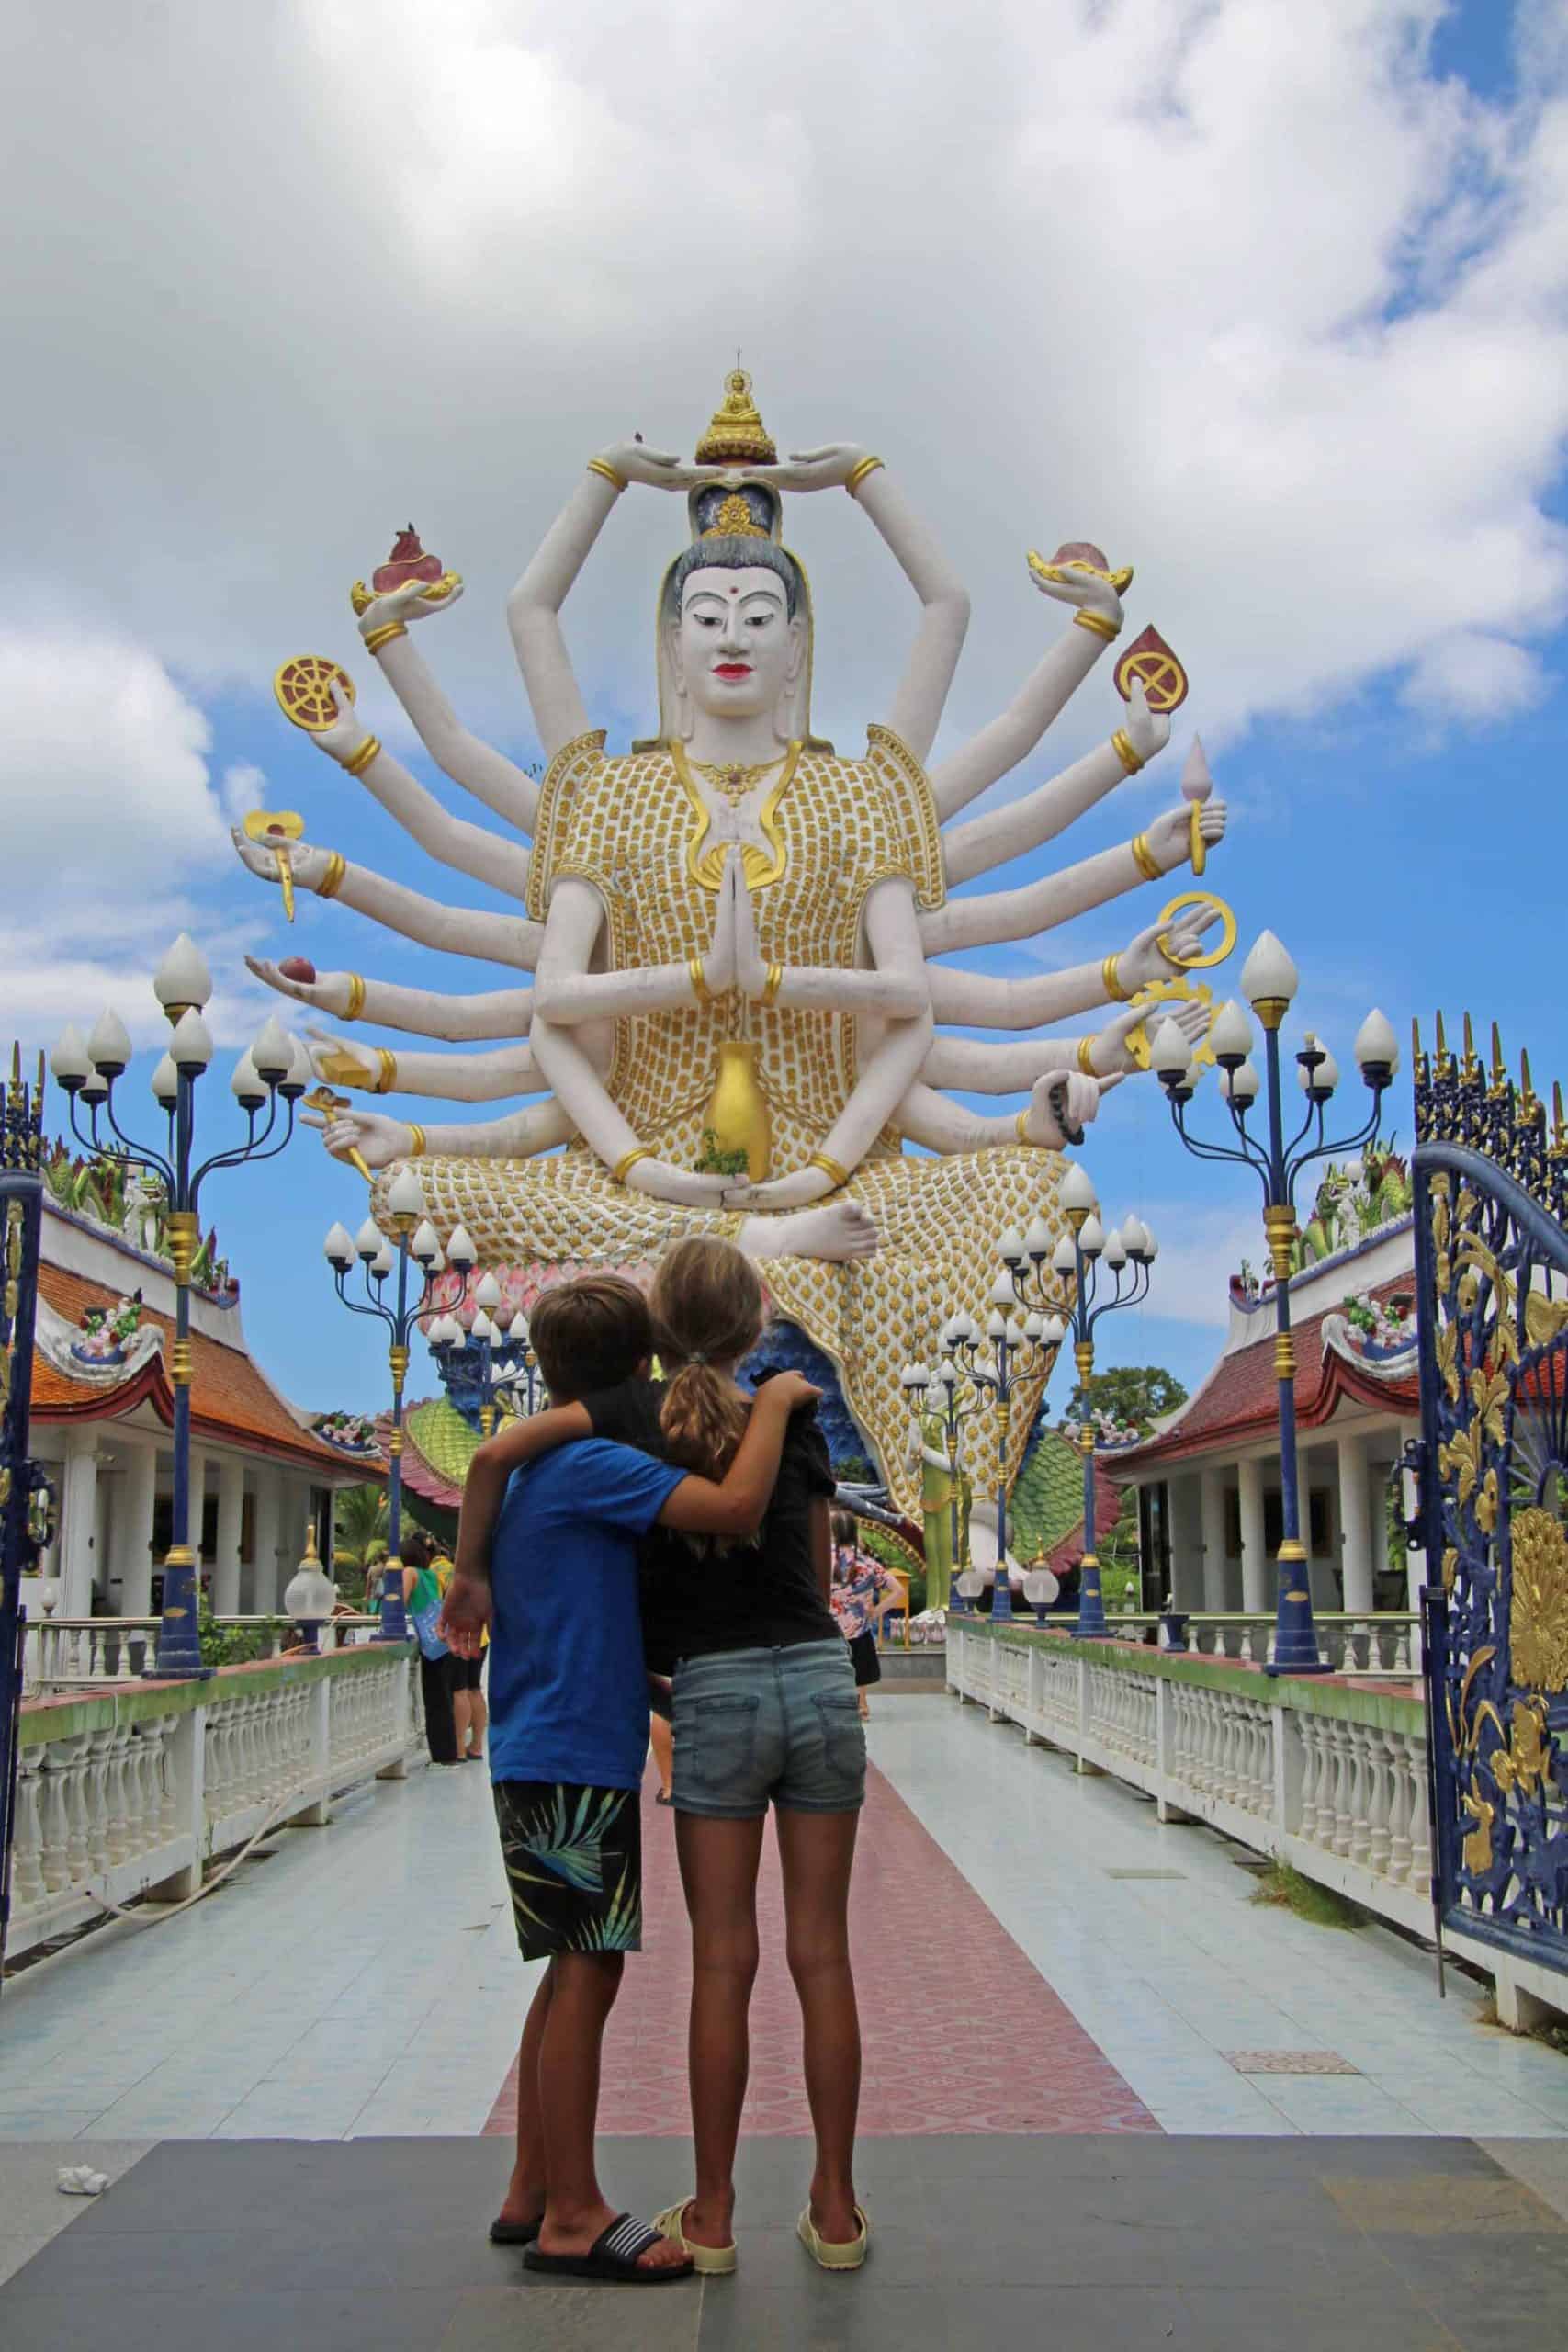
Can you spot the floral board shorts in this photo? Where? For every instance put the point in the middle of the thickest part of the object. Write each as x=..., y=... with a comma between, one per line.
x=573, y=1858
x=776, y=1725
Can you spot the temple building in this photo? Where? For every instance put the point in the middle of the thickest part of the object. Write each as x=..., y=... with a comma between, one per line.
x=103, y=1412
x=1208, y=1479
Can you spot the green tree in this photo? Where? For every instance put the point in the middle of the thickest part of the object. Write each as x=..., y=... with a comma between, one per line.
x=359, y=1536
x=1135, y=1394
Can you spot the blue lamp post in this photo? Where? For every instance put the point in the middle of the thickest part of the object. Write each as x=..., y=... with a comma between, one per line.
x=940, y=1393
x=416, y=1238
x=1011, y=1351
x=1269, y=980
x=1084, y=1255
x=276, y=1069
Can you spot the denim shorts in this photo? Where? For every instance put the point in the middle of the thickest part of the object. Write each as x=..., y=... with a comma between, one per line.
x=755, y=1724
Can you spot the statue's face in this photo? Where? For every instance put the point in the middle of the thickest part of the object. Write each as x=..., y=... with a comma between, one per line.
x=736, y=650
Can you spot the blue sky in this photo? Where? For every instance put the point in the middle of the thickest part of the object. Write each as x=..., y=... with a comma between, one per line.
x=1337, y=466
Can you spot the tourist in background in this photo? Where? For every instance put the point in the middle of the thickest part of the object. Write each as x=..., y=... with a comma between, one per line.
x=421, y=1599
x=863, y=1591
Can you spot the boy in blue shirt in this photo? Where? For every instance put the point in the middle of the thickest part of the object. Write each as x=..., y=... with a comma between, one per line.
x=567, y=1738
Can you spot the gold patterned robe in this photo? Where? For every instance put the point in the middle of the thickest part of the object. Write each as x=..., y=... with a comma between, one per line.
x=637, y=829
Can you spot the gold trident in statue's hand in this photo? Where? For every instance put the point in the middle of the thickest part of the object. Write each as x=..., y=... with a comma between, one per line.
x=323, y=1100
x=275, y=829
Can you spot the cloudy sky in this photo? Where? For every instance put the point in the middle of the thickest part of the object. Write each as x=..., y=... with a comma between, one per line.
x=1267, y=298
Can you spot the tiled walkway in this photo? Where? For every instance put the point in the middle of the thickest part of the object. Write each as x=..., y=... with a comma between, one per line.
x=1052, y=1985
x=1021, y=1970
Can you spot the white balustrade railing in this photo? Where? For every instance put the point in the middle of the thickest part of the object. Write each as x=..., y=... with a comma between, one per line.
x=130, y=1790
x=62, y=1652
x=1329, y=1775
x=1384, y=1646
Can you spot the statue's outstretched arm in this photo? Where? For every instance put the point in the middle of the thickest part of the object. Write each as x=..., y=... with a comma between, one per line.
x=568, y=993
x=380, y=1139
x=532, y=609
x=978, y=1000
x=450, y=1078
x=983, y=1067
x=1057, y=897
x=888, y=1068
x=989, y=840
x=422, y=1012
x=928, y=1118
x=468, y=849
x=997, y=750
x=488, y=774
x=457, y=930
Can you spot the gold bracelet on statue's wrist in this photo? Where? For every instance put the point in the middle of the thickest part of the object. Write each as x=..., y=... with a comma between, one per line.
x=773, y=984
x=858, y=473
x=629, y=1160
x=1097, y=624
x=355, y=1004
x=606, y=473
x=1111, y=979
x=360, y=758
x=417, y=1144
x=699, y=979
x=386, y=1071
x=835, y=1175
x=1130, y=759
x=1021, y=1128
x=384, y=635
x=331, y=880
x=1144, y=858
x=1086, y=1050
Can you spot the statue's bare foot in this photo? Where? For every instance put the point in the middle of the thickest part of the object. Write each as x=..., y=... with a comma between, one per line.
x=836, y=1230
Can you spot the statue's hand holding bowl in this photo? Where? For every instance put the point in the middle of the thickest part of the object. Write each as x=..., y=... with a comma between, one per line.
x=1087, y=592
x=1145, y=960
x=411, y=601
x=829, y=467
x=308, y=865
x=377, y=1139
x=1171, y=837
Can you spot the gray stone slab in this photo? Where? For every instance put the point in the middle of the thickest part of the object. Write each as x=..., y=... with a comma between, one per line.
x=1109, y=2244
x=1541, y=2164
x=32, y=2209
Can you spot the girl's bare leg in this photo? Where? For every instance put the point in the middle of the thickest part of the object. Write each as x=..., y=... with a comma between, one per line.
x=816, y=1850
x=719, y=1871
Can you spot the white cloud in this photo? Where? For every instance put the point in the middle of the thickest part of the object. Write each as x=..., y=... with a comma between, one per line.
x=1475, y=679
x=1236, y=287
x=243, y=788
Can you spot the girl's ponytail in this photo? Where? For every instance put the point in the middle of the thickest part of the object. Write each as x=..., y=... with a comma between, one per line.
x=708, y=1308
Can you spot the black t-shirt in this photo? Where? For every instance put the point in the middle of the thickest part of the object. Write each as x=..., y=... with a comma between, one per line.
x=749, y=1596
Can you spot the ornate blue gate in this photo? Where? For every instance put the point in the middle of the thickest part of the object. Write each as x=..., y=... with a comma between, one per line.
x=24, y=1494
x=1492, y=1270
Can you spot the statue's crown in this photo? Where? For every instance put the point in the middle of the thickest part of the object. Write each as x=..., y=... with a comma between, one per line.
x=748, y=513
x=736, y=434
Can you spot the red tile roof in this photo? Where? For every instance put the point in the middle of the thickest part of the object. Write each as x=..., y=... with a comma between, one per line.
x=230, y=1399
x=1239, y=1399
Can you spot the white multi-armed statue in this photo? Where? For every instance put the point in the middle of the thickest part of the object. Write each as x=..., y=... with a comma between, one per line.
x=737, y=1019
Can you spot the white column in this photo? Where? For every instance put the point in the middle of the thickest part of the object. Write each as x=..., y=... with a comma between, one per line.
x=263, y=1596
x=226, y=1560
x=1355, y=1523
x=78, y=1515
x=133, y=1530
x=197, y=1506
x=1212, y=1511
x=1256, y=1594
x=1186, y=1544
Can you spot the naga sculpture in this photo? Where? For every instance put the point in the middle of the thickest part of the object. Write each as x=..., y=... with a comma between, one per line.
x=736, y=1019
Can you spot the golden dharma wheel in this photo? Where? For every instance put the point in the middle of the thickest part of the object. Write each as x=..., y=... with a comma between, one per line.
x=303, y=687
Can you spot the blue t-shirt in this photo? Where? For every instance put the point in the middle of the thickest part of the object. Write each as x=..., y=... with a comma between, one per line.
x=568, y=1688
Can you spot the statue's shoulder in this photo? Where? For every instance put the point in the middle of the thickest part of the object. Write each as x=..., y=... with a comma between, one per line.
x=905, y=784
x=581, y=786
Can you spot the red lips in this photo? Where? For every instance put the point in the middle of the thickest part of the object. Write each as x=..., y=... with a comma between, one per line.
x=732, y=669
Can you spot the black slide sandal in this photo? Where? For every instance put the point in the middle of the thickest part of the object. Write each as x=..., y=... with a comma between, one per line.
x=614, y=2256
